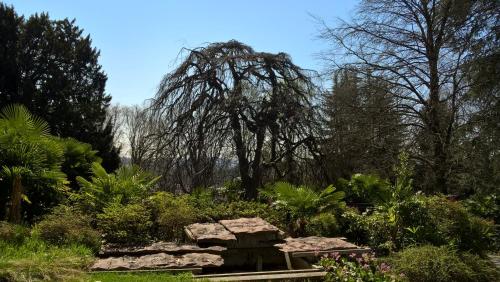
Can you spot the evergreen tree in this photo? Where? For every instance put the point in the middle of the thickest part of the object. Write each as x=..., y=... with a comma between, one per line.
x=364, y=130
x=51, y=68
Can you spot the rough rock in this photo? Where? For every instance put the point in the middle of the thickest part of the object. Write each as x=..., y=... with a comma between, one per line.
x=158, y=261
x=252, y=225
x=157, y=247
x=313, y=244
x=209, y=233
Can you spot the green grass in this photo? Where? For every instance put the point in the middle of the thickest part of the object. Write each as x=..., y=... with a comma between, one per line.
x=139, y=277
x=35, y=260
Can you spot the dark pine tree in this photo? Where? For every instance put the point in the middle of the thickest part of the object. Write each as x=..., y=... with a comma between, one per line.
x=49, y=66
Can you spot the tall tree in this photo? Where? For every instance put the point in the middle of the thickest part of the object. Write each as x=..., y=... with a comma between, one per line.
x=246, y=99
x=51, y=68
x=421, y=48
x=364, y=128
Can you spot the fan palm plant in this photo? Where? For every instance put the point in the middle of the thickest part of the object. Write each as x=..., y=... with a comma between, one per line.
x=126, y=185
x=30, y=155
x=303, y=202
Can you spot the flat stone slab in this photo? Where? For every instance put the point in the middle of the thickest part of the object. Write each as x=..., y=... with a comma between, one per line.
x=158, y=261
x=157, y=247
x=314, y=244
x=209, y=233
x=250, y=226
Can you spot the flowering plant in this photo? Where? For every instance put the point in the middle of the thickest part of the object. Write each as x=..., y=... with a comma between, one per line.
x=357, y=268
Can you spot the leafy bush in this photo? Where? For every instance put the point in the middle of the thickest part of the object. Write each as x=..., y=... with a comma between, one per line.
x=324, y=224
x=36, y=260
x=455, y=226
x=435, y=264
x=302, y=203
x=365, y=188
x=352, y=226
x=171, y=213
x=356, y=268
x=420, y=220
x=125, y=224
x=231, y=191
x=129, y=184
x=485, y=206
x=13, y=233
x=66, y=225
x=78, y=160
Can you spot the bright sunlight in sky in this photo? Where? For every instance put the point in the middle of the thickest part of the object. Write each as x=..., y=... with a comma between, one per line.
x=140, y=40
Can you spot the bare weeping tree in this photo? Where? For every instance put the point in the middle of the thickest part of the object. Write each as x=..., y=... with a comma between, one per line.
x=422, y=49
x=226, y=97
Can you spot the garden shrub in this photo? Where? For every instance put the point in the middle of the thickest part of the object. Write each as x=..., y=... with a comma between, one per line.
x=125, y=224
x=66, y=225
x=324, y=224
x=351, y=224
x=356, y=268
x=435, y=264
x=455, y=226
x=127, y=185
x=13, y=233
x=485, y=206
x=170, y=214
x=365, y=189
x=419, y=220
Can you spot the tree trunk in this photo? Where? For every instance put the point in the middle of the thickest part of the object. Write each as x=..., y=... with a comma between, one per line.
x=15, y=200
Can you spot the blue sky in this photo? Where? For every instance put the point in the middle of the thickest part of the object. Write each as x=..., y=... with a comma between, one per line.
x=140, y=40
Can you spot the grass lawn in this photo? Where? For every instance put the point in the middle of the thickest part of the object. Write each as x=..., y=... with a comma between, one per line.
x=34, y=260
x=139, y=277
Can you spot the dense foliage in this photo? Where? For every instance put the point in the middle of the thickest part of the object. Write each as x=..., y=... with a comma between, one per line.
x=67, y=226
x=356, y=268
x=51, y=67
x=439, y=264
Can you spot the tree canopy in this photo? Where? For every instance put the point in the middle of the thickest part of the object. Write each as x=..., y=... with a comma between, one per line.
x=51, y=67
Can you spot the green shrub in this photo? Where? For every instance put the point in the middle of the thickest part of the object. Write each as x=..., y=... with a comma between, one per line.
x=435, y=264
x=356, y=268
x=125, y=224
x=78, y=160
x=13, y=233
x=127, y=185
x=455, y=226
x=365, y=188
x=231, y=191
x=420, y=220
x=66, y=225
x=302, y=203
x=324, y=224
x=171, y=213
x=352, y=226
x=485, y=206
